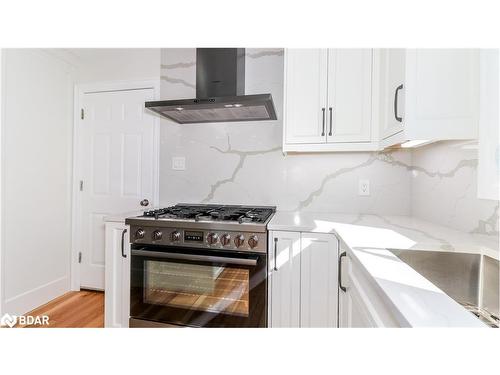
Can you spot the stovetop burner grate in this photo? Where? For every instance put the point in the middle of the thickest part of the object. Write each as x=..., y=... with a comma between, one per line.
x=241, y=214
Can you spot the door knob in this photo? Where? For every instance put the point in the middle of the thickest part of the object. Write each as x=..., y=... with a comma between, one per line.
x=144, y=202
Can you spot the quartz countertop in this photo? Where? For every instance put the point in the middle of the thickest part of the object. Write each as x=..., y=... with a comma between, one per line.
x=120, y=218
x=386, y=232
x=412, y=298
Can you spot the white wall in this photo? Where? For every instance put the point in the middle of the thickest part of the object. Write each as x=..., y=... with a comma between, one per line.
x=1, y=180
x=37, y=172
x=36, y=204
x=113, y=64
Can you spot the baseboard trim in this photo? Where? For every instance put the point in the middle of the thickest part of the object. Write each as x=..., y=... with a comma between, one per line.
x=27, y=301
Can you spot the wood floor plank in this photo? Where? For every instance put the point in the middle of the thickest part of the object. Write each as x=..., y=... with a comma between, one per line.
x=83, y=309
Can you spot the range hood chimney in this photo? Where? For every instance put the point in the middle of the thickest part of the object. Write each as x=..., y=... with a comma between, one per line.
x=220, y=92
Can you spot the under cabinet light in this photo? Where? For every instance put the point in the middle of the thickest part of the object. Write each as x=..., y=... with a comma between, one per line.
x=415, y=143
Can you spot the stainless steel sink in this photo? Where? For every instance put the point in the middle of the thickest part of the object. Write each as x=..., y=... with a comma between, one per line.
x=470, y=279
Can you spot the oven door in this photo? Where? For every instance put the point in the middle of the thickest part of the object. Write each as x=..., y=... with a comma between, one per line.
x=198, y=288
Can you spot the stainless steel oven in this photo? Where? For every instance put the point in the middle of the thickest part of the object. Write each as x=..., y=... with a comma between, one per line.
x=197, y=287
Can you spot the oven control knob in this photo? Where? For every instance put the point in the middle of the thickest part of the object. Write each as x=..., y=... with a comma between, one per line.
x=225, y=239
x=140, y=234
x=239, y=240
x=175, y=236
x=157, y=235
x=212, y=238
x=253, y=241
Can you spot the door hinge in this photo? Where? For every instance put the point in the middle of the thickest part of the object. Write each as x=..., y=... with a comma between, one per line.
x=80, y=257
x=82, y=114
x=81, y=185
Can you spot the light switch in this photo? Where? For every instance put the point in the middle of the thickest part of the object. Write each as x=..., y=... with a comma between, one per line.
x=364, y=187
x=179, y=163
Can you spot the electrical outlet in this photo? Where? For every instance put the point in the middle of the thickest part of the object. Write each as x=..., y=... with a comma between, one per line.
x=364, y=187
x=179, y=163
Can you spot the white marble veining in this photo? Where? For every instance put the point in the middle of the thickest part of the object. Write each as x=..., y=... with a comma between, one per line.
x=361, y=231
x=242, y=163
x=451, y=199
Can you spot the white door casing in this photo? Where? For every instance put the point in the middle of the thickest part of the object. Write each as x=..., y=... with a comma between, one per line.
x=117, y=167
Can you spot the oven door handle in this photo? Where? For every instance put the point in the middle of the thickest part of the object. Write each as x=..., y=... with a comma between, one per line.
x=194, y=257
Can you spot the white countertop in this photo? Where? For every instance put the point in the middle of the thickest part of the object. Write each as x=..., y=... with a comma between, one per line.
x=413, y=298
x=120, y=218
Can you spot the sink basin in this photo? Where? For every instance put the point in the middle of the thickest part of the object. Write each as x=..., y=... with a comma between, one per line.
x=472, y=280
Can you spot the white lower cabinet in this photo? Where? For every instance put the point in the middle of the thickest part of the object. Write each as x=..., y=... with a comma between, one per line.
x=117, y=276
x=360, y=305
x=303, y=279
x=353, y=312
x=284, y=278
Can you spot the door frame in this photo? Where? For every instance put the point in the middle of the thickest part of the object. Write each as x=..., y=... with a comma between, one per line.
x=79, y=91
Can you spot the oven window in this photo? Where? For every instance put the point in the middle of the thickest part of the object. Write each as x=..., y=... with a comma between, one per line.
x=213, y=288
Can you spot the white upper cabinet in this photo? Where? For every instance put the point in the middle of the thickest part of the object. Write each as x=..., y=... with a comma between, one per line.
x=488, y=171
x=349, y=95
x=328, y=100
x=306, y=99
x=393, y=77
x=429, y=94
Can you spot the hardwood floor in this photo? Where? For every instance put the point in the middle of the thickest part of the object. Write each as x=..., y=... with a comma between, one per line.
x=83, y=309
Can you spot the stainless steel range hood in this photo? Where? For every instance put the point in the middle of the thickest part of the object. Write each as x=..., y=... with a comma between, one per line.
x=220, y=92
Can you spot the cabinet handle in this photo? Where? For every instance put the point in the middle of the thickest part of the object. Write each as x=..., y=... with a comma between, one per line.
x=275, y=253
x=343, y=288
x=331, y=110
x=123, y=243
x=400, y=119
x=323, y=131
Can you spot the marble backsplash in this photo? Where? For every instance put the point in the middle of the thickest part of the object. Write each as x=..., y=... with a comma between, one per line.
x=242, y=163
x=444, y=188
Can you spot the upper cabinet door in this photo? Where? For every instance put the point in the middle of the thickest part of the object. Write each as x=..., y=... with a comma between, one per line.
x=393, y=91
x=349, y=95
x=306, y=95
x=442, y=93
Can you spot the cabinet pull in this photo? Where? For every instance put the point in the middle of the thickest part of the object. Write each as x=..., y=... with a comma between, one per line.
x=400, y=119
x=331, y=110
x=123, y=243
x=323, y=131
x=343, y=288
x=275, y=253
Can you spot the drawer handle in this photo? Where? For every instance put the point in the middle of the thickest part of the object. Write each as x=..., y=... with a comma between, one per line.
x=343, y=288
x=400, y=119
x=331, y=120
x=323, y=131
x=275, y=253
x=123, y=243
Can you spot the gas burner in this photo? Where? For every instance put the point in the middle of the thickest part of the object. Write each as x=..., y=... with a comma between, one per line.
x=219, y=213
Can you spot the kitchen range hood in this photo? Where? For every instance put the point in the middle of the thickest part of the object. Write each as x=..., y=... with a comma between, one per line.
x=220, y=92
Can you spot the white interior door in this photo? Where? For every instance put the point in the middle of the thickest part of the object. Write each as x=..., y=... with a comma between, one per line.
x=117, y=154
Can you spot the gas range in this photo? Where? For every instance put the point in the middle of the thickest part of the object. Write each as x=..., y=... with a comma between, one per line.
x=224, y=227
